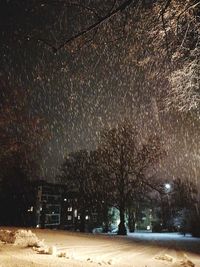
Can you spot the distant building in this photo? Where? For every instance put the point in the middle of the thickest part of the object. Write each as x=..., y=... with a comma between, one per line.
x=56, y=207
x=48, y=204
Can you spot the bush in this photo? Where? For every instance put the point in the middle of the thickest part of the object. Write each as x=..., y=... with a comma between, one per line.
x=195, y=231
x=156, y=228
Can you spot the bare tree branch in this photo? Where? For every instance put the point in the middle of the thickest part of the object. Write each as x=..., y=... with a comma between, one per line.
x=165, y=7
x=92, y=27
x=187, y=8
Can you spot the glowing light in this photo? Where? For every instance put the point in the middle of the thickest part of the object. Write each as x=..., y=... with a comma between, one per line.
x=69, y=217
x=30, y=209
x=167, y=186
x=75, y=213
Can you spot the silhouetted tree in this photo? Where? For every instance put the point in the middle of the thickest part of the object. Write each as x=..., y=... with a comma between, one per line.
x=185, y=205
x=82, y=173
x=16, y=197
x=126, y=158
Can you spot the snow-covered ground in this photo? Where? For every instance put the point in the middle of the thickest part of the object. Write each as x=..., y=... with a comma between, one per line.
x=88, y=250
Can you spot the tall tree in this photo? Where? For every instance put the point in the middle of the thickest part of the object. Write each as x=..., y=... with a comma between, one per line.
x=126, y=158
x=165, y=33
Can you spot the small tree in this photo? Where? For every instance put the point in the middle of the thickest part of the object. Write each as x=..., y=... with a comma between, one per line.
x=74, y=174
x=82, y=172
x=126, y=158
x=184, y=200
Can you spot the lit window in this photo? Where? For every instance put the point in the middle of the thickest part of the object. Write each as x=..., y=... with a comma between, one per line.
x=30, y=209
x=86, y=217
x=79, y=217
x=69, y=209
x=75, y=213
x=65, y=199
x=69, y=217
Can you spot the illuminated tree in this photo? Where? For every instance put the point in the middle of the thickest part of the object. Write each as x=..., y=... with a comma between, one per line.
x=157, y=35
x=182, y=32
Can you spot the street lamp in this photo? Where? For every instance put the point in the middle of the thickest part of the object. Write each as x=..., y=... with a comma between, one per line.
x=167, y=187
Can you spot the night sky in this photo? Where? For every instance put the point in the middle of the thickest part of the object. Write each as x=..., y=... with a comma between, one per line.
x=88, y=85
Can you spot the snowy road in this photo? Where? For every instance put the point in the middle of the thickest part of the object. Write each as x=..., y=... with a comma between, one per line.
x=136, y=250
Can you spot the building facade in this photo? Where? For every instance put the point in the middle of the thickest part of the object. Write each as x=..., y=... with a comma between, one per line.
x=56, y=207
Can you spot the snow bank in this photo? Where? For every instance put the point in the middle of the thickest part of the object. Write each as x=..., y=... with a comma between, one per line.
x=165, y=257
x=7, y=236
x=25, y=238
x=186, y=262
x=21, y=238
x=52, y=250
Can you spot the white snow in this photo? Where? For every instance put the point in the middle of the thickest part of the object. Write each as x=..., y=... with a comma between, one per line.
x=165, y=257
x=163, y=236
x=19, y=237
x=89, y=250
x=26, y=238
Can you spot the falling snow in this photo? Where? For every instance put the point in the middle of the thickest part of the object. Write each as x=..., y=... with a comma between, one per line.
x=81, y=89
x=72, y=70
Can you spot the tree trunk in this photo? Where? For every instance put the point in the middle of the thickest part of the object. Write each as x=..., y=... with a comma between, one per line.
x=121, y=226
x=131, y=220
x=105, y=220
x=43, y=216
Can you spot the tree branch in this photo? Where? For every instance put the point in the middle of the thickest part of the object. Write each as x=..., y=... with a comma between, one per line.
x=92, y=27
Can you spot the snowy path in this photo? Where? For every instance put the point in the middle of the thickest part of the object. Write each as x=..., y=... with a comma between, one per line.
x=83, y=250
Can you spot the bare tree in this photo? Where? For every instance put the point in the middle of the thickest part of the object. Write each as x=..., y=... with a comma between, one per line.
x=74, y=173
x=126, y=159
x=165, y=35
x=82, y=172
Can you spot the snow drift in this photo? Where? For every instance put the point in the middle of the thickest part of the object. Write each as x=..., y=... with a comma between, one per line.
x=21, y=238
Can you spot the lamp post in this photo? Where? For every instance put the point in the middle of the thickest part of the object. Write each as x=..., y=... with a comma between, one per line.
x=168, y=187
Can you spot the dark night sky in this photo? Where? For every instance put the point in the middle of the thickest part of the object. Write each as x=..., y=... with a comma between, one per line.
x=80, y=92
